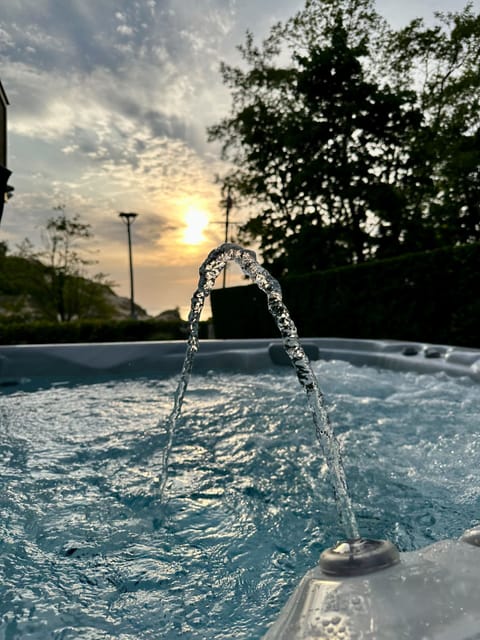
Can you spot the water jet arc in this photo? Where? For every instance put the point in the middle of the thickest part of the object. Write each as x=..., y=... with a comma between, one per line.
x=361, y=553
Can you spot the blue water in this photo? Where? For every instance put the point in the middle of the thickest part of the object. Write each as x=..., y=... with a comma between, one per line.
x=87, y=551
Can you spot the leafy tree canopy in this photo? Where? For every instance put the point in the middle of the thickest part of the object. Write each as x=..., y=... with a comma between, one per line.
x=350, y=140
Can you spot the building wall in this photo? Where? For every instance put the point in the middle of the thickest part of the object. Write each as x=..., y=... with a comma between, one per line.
x=3, y=133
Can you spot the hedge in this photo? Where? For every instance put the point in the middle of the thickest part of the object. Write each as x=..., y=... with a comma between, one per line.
x=431, y=296
x=93, y=331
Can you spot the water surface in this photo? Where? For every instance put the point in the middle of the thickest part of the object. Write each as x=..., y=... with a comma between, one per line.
x=88, y=551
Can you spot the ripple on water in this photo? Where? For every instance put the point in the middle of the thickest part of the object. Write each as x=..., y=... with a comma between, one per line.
x=89, y=551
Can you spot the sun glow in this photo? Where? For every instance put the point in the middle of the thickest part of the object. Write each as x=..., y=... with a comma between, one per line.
x=196, y=222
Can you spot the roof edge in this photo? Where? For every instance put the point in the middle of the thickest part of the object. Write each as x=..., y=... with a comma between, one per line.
x=3, y=94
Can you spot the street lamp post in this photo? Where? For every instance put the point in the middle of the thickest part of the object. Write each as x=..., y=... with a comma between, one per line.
x=228, y=204
x=228, y=208
x=129, y=219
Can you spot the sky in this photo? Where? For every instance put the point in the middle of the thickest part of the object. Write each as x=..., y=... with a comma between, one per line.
x=109, y=106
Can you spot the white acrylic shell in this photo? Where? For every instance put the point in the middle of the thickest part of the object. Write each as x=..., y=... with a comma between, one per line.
x=433, y=594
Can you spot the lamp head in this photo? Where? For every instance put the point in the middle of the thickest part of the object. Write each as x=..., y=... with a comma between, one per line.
x=127, y=217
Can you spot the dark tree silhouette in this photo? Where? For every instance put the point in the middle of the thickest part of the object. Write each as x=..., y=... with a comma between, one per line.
x=340, y=147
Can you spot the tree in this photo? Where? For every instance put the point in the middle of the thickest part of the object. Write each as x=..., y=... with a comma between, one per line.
x=444, y=63
x=68, y=293
x=339, y=157
x=61, y=238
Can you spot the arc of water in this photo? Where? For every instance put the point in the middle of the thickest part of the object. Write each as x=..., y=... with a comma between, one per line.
x=209, y=271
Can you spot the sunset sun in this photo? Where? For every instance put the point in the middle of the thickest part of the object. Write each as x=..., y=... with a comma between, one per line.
x=196, y=222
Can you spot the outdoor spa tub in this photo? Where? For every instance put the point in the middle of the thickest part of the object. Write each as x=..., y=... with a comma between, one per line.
x=90, y=549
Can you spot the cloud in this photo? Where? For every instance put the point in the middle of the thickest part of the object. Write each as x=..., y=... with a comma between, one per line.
x=67, y=85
